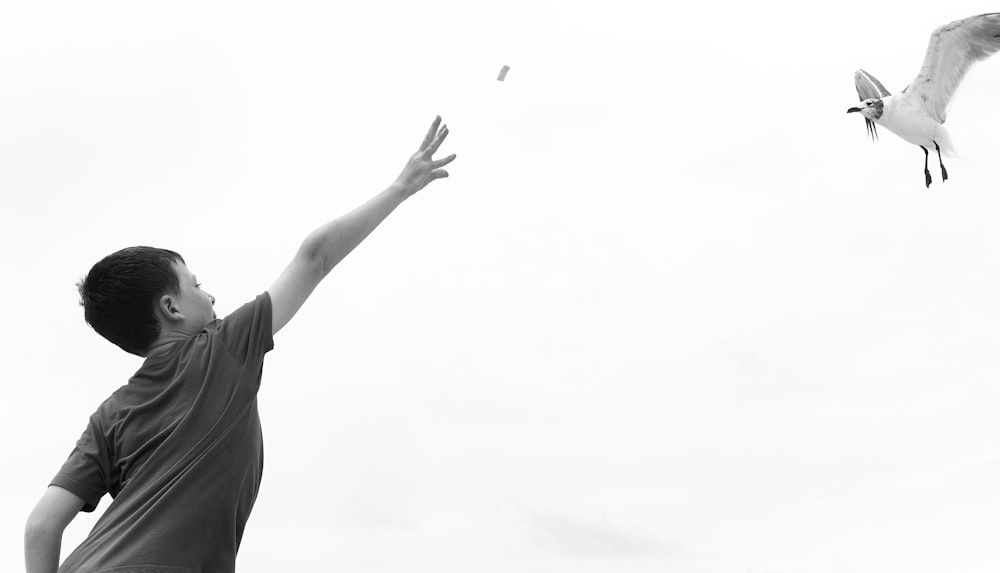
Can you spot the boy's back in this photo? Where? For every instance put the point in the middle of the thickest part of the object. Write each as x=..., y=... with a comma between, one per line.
x=179, y=448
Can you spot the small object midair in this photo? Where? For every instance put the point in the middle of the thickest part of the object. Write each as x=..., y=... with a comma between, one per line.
x=917, y=113
x=503, y=73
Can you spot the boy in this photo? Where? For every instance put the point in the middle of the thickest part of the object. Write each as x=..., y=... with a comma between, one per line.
x=179, y=447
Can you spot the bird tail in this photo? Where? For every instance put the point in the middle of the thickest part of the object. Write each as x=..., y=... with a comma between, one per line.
x=943, y=141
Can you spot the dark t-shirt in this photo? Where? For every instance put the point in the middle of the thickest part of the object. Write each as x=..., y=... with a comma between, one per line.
x=179, y=449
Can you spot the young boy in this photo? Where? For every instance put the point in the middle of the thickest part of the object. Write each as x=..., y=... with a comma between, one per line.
x=179, y=447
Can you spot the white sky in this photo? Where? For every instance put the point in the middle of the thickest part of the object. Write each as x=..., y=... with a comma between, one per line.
x=672, y=311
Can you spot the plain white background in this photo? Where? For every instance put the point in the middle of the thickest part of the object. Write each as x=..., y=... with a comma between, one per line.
x=673, y=311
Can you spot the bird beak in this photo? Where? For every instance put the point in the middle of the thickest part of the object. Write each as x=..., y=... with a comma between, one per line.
x=853, y=109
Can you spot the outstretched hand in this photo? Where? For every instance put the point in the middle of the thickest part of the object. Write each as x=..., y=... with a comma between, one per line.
x=422, y=168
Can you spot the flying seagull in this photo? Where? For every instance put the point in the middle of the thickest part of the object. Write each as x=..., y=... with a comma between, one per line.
x=917, y=113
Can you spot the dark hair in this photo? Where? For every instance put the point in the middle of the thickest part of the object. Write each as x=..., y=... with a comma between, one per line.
x=120, y=293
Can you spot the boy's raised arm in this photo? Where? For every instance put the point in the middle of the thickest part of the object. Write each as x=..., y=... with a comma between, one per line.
x=330, y=243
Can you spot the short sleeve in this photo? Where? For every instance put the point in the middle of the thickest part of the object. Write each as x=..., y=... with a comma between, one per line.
x=87, y=470
x=246, y=333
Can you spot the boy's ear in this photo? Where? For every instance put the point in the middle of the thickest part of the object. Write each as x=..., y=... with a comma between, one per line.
x=168, y=309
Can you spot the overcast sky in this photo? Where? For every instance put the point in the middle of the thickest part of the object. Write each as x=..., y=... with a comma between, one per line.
x=673, y=311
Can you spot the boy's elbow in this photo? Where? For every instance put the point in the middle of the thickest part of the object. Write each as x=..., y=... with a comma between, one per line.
x=311, y=255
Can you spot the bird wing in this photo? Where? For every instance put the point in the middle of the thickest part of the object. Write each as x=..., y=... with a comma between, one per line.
x=868, y=87
x=952, y=50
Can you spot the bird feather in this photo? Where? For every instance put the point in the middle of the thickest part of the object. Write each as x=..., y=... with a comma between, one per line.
x=868, y=87
x=952, y=50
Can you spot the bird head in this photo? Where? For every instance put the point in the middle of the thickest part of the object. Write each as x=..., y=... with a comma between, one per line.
x=872, y=110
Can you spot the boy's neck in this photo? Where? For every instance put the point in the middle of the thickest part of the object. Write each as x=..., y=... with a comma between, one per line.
x=165, y=342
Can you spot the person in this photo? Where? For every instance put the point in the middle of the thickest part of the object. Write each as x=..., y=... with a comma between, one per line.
x=179, y=446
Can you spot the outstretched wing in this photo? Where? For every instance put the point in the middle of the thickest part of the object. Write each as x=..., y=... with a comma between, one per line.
x=869, y=88
x=952, y=50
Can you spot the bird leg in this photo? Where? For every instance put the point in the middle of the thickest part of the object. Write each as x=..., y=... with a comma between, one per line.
x=944, y=172
x=927, y=172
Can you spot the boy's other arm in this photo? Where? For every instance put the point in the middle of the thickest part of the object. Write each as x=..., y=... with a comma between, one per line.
x=44, y=530
x=330, y=243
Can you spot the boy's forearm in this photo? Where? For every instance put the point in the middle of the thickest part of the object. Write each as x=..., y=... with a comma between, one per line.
x=331, y=242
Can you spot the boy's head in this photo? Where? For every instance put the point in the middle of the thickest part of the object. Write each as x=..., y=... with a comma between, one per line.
x=127, y=296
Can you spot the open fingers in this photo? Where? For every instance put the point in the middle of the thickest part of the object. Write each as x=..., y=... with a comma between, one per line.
x=438, y=140
x=430, y=133
x=442, y=162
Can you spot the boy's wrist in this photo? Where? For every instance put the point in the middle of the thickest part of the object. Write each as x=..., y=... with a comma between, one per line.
x=401, y=190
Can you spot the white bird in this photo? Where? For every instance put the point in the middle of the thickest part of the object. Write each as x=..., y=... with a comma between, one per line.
x=917, y=113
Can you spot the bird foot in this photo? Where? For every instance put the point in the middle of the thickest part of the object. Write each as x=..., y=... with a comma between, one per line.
x=944, y=174
x=927, y=178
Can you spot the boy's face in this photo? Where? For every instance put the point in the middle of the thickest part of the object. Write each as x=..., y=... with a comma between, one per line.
x=195, y=304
